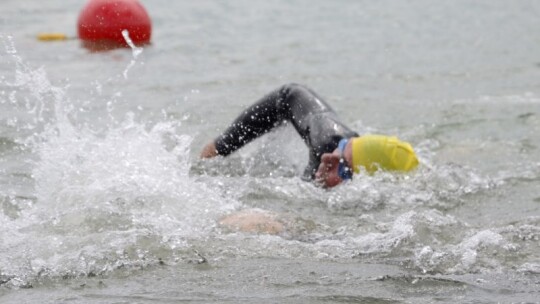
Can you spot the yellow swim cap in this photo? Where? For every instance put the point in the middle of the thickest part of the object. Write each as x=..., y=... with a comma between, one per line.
x=386, y=152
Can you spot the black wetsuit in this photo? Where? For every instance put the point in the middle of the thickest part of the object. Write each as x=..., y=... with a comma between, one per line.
x=311, y=116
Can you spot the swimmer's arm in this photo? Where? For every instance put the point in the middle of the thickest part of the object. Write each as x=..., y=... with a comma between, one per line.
x=253, y=122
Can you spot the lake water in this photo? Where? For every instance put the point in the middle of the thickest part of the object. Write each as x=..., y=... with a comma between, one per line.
x=103, y=198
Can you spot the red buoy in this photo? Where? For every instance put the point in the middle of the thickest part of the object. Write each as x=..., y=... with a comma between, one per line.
x=101, y=23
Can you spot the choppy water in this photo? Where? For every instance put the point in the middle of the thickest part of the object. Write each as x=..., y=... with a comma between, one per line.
x=103, y=199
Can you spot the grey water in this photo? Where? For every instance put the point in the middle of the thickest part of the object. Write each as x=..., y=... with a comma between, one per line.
x=104, y=200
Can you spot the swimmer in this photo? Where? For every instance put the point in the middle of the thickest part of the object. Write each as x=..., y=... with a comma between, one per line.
x=335, y=151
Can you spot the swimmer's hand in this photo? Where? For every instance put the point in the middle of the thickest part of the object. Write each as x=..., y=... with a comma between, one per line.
x=209, y=151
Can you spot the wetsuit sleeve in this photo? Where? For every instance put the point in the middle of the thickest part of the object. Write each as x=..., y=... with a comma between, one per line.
x=314, y=120
x=256, y=120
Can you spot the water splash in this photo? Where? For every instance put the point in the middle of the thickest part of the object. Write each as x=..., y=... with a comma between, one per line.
x=476, y=252
x=9, y=45
x=135, y=51
x=120, y=197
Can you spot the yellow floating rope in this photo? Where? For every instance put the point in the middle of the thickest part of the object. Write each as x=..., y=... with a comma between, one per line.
x=52, y=36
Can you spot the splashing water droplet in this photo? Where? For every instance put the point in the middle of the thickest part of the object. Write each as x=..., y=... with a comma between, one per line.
x=9, y=45
x=135, y=51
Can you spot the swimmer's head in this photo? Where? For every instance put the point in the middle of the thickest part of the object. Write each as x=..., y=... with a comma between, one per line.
x=366, y=153
x=373, y=152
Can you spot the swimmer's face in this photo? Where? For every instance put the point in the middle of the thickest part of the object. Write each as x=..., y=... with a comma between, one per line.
x=327, y=174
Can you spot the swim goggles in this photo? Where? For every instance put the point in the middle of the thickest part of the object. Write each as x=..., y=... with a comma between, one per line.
x=344, y=170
